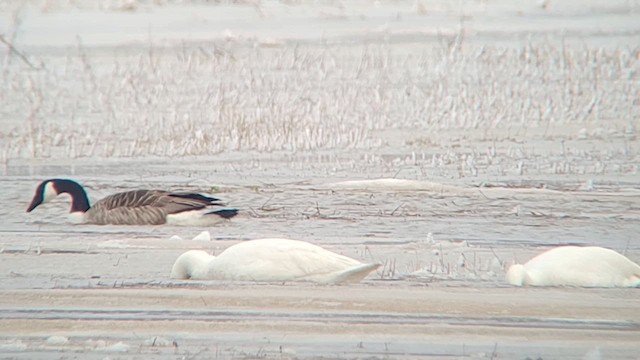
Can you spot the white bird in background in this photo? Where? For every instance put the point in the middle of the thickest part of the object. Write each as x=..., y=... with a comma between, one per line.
x=271, y=260
x=589, y=266
x=138, y=207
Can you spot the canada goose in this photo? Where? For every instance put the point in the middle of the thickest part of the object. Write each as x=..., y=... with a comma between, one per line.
x=271, y=260
x=589, y=266
x=138, y=207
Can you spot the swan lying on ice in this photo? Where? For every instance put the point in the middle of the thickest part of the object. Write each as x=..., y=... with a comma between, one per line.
x=271, y=260
x=589, y=266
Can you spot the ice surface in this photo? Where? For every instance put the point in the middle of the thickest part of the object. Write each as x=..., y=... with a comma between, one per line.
x=444, y=140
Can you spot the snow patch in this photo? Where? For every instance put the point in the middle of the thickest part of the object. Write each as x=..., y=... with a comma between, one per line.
x=203, y=236
x=57, y=340
x=13, y=345
x=118, y=347
x=158, y=341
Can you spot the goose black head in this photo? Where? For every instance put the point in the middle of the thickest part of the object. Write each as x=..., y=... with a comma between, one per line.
x=44, y=193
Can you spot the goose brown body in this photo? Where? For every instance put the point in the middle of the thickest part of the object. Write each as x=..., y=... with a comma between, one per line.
x=149, y=207
x=137, y=207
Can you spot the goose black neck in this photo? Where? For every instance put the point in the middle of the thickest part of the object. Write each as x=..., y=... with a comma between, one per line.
x=79, y=199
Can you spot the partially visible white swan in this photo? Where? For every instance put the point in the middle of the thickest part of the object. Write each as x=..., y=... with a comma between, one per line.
x=388, y=184
x=589, y=266
x=271, y=260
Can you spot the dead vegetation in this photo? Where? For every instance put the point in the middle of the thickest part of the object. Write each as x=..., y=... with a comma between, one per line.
x=206, y=99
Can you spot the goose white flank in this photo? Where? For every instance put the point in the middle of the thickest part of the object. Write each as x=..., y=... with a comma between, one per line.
x=589, y=266
x=137, y=207
x=271, y=260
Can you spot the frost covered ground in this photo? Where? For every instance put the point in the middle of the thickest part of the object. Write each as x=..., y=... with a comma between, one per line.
x=515, y=125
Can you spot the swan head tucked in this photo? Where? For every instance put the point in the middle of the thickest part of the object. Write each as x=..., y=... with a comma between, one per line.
x=516, y=275
x=193, y=264
x=579, y=266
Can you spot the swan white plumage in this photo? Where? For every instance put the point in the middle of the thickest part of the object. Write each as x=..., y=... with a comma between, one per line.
x=271, y=260
x=589, y=266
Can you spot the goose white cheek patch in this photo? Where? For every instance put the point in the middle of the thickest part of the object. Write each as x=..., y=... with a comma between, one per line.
x=49, y=192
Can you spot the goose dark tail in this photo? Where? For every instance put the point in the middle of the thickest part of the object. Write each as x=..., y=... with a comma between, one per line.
x=210, y=200
x=224, y=213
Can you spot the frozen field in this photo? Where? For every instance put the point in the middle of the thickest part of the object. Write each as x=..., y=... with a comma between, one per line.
x=517, y=126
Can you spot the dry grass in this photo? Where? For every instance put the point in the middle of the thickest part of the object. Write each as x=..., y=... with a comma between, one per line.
x=201, y=100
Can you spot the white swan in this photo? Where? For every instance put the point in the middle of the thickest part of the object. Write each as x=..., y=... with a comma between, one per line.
x=271, y=260
x=589, y=266
x=390, y=184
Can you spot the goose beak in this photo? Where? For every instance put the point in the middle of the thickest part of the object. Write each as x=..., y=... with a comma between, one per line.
x=34, y=204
